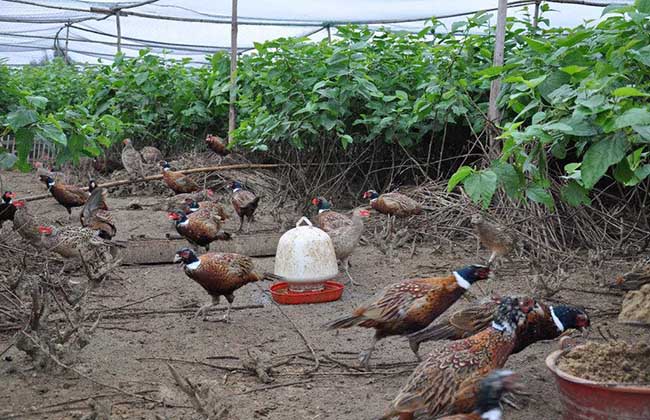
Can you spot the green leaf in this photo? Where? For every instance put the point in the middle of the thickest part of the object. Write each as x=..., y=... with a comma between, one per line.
x=642, y=6
x=540, y=195
x=628, y=91
x=52, y=133
x=480, y=186
x=643, y=131
x=509, y=178
x=573, y=69
x=402, y=95
x=140, y=78
x=538, y=46
x=634, y=116
x=462, y=173
x=21, y=117
x=7, y=160
x=600, y=156
x=346, y=140
x=24, y=143
x=574, y=194
x=37, y=102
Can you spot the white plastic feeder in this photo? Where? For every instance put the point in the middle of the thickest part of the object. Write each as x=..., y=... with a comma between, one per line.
x=305, y=257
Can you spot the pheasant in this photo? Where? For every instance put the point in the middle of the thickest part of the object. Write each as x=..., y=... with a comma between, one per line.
x=493, y=237
x=177, y=181
x=488, y=400
x=68, y=196
x=635, y=278
x=327, y=219
x=446, y=382
x=7, y=208
x=95, y=214
x=411, y=305
x=217, y=145
x=219, y=274
x=151, y=155
x=200, y=229
x=393, y=204
x=345, y=239
x=191, y=207
x=132, y=160
x=545, y=322
x=244, y=202
x=25, y=224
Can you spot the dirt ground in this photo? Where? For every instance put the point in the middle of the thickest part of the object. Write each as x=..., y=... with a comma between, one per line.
x=131, y=352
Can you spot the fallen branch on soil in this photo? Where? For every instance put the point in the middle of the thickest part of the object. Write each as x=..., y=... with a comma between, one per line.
x=192, y=362
x=128, y=314
x=205, y=403
x=266, y=388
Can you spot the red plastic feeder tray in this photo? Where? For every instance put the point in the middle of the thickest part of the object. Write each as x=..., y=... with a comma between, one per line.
x=282, y=294
x=587, y=400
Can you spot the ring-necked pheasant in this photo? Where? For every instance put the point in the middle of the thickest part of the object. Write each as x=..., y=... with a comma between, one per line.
x=68, y=196
x=411, y=305
x=493, y=237
x=545, y=322
x=447, y=381
x=7, y=208
x=244, y=202
x=219, y=274
x=327, y=219
x=192, y=206
x=177, y=181
x=635, y=278
x=490, y=391
x=200, y=229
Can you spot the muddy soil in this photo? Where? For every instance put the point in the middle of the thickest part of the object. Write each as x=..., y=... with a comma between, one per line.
x=616, y=362
x=131, y=351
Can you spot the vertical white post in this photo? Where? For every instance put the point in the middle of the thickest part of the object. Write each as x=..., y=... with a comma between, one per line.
x=499, y=44
x=232, y=111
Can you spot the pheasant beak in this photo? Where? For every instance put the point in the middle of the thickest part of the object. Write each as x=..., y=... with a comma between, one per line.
x=125, y=141
x=177, y=258
x=314, y=201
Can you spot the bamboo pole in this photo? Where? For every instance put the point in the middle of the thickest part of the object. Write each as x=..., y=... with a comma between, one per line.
x=329, y=34
x=67, y=41
x=119, y=31
x=536, y=15
x=232, y=112
x=499, y=46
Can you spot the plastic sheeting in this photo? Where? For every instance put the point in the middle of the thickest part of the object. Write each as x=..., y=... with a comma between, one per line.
x=194, y=28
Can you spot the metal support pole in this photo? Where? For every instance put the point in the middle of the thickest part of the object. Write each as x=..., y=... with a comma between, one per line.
x=499, y=45
x=67, y=40
x=536, y=15
x=232, y=112
x=119, y=31
x=329, y=34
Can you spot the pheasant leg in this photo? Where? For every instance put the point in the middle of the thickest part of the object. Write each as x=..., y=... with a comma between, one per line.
x=364, y=356
x=241, y=223
x=204, y=308
x=346, y=265
x=226, y=317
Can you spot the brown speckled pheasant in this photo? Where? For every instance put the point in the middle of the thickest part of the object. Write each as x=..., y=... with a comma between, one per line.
x=132, y=160
x=95, y=214
x=200, y=228
x=345, y=239
x=493, y=237
x=411, y=305
x=447, y=381
x=25, y=224
x=70, y=241
x=151, y=155
x=217, y=145
x=68, y=196
x=192, y=206
x=488, y=401
x=177, y=181
x=545, y=322
x=327, y=219
x=219, y=274
x=244, y=202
